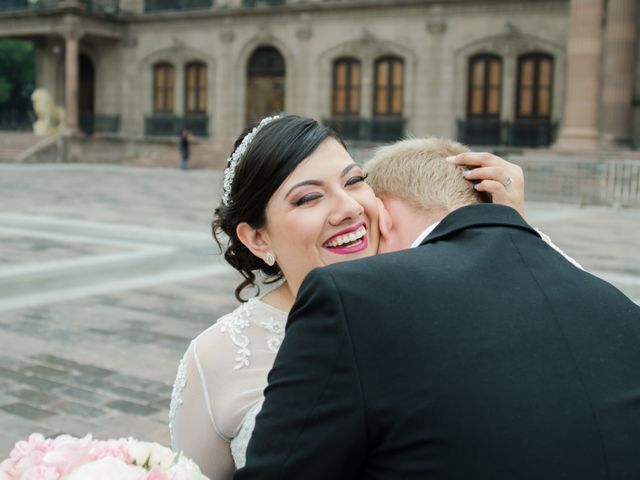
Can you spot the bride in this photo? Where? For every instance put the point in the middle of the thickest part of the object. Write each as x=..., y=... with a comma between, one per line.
x=293, y=199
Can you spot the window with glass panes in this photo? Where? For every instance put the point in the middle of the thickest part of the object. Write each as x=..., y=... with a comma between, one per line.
x=196, y=88
x=163, y=82
x=346, y=87
x=535, y=85
x=485, y=86
x=389, y=86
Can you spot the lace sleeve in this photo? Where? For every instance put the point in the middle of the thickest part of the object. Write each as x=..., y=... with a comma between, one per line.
x=547, y=239
x=190, y=421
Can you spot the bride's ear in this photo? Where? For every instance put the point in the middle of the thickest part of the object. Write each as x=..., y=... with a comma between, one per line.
x=385, y=222
x=256, y=240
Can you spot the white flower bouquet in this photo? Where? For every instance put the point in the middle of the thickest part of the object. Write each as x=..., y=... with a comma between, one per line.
x=70, y=458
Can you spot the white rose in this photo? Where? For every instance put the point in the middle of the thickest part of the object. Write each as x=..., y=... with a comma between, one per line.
x=108, y=468
x=139, y=452
x=162, y=457
x=186, y=469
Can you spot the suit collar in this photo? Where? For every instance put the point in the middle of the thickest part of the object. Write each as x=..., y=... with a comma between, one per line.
x=483, y=214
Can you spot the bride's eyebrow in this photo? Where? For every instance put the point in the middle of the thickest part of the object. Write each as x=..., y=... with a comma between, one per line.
x=318, y=183
x=302, y=184
x=348, y=168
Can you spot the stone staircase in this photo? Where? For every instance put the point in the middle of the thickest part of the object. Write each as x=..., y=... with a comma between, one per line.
x=12, y=144
x=205, y=154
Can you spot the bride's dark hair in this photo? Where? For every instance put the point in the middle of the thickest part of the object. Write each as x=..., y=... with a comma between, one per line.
x=275, y=151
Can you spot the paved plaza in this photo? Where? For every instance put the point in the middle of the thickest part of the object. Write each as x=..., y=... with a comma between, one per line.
x=107, y=272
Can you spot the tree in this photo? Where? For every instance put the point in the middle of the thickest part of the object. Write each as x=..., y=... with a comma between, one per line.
x=17, y=81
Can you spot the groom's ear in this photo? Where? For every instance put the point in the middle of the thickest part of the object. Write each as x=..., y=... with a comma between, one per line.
x=385, y=222
x=256, y=240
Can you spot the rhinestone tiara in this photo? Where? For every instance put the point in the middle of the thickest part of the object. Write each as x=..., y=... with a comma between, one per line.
x=236, y=156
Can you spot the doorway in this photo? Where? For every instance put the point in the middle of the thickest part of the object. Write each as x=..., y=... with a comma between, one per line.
x=265, y=83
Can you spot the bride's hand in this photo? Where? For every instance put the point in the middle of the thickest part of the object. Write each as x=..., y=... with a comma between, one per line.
x=492, y=174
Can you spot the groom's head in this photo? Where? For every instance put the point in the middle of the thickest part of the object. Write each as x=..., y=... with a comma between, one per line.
x=418, y=187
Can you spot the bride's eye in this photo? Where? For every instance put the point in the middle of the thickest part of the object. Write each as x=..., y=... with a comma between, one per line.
x=306, y=198
x=356, y=179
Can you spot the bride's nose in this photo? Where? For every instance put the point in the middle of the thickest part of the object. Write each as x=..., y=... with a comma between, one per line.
x=345, y=208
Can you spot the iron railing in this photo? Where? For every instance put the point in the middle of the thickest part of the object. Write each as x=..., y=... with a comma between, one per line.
x=166, y=125
x=257, y=3
x=165, y=5
x=583, y=181
x=109, y=7
x=91, y=123
x=11, y=120
x=377, y=129
x=486, y=131
x=519, y=133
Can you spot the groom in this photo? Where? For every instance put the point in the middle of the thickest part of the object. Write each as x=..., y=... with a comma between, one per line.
x=479, y=354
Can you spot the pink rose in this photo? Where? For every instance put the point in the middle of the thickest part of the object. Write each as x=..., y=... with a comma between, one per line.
x=7, y=470
x=108, y=469
x=156, y=474
x=110, y=448
x=68, y=453
x=40, y=472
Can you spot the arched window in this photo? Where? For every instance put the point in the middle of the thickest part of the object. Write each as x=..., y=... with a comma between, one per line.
x=163, y=82
x=485, y=86
x=346, y=87
x=266, y=72
x=196, y=88
x=389, y=86
x=535, y=86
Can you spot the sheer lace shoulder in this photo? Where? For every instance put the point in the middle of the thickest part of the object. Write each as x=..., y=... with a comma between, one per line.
x=221, y=378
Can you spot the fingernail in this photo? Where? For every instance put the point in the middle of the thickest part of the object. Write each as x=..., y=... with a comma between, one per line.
x=476, y=186
x=450, y=159
x=465, y=173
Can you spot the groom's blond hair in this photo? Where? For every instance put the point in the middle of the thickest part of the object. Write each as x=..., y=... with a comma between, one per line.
x=415, y=171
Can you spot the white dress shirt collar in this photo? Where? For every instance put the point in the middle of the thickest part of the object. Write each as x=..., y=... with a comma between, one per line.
x=424, y=234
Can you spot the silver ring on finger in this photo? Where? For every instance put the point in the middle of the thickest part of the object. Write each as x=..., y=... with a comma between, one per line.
x=508, y=181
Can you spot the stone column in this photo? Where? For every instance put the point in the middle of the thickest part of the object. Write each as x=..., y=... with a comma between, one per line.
x=71, y=81
x=618, y=75
x=580, y=124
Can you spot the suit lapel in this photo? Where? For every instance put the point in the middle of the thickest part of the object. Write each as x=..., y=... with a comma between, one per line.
x=484, y=214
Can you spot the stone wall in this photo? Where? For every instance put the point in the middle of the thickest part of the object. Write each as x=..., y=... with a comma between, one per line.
x=435, y=43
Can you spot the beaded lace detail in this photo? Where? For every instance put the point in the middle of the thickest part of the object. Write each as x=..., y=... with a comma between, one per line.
x=176, y=393
x=240, y=443
x=235, y=323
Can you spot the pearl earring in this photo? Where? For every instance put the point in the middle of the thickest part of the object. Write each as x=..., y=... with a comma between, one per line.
x=271, y=260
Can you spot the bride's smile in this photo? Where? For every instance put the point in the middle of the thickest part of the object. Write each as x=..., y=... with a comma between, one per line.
x=350, y=240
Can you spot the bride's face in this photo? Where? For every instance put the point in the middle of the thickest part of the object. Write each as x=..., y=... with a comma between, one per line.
x=322, y=213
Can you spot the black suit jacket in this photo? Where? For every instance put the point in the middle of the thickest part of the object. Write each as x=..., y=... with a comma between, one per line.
x=481, y=354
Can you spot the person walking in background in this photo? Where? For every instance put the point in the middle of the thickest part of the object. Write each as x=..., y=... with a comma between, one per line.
x=185, y=140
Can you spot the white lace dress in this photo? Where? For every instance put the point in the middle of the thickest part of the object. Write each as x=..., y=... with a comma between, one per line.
x=219, y=387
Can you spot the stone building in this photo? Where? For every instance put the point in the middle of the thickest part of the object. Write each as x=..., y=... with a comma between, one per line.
x=563, y=74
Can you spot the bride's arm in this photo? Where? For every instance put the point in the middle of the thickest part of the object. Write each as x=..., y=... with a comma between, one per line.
x=192, y=428
x=504, y=181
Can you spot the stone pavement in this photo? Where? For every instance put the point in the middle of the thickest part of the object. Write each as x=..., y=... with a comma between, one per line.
x=107, y=272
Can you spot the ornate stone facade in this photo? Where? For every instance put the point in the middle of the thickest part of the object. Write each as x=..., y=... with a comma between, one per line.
x=566, y=66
